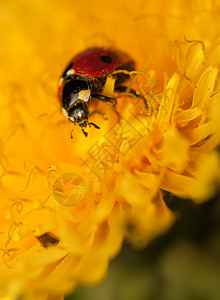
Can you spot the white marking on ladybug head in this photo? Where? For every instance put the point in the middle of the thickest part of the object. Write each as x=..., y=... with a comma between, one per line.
x=65, y=113
x=70, y=72
x=84, y=95
x=79, y=114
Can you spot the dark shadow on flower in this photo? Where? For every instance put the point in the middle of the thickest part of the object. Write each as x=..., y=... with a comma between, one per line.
x=182, y=264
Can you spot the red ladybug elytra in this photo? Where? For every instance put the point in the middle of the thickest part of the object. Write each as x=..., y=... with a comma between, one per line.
x=84, y=78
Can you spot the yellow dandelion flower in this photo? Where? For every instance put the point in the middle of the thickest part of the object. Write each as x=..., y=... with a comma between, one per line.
x=68, y=204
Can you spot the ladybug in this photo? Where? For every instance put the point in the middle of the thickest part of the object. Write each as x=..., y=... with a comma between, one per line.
x=84, y=78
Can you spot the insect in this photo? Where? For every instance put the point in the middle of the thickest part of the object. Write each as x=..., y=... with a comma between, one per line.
x=84, y=78
x=47, y=239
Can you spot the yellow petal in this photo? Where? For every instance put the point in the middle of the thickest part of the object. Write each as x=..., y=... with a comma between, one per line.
x=204, y=87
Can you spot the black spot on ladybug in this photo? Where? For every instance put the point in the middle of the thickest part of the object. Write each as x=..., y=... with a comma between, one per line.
x=106, y=59
x=67, y=69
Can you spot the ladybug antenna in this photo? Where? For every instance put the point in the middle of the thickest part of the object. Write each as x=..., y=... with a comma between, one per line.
x=71, y=134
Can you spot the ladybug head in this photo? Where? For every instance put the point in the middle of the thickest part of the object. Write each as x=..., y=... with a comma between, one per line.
x=76, y=89
x=78, y=114
x=76, y=92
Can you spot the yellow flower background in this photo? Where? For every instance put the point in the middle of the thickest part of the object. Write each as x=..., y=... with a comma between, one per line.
x=169, y=146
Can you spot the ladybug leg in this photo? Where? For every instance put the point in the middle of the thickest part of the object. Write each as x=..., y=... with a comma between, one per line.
x=93, y=124
x=108, y=99
x=104, y=98
x=117, y=113
x=84, y=132
x=123, y=89
x=98, y=112
x=115, y=110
